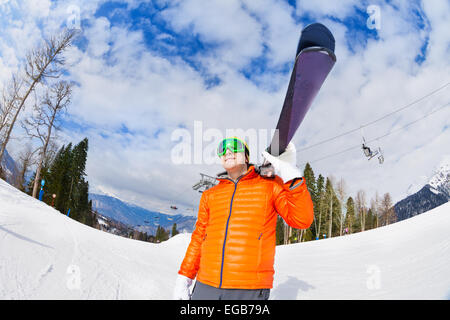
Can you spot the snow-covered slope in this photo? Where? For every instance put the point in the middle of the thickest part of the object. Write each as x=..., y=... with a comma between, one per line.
x=46, y=255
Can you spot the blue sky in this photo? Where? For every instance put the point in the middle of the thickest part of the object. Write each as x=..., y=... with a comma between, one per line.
x=187, y=44
x=163, y=40
x=145, y=68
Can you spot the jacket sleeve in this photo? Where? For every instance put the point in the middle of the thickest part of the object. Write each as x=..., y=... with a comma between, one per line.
x=191, y=261
x=293, y=202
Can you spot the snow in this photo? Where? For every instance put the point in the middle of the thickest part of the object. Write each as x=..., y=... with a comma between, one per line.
x=440, y=181
x=434, y=191
x=102, y=222
x=417, y=184
x=47, y=255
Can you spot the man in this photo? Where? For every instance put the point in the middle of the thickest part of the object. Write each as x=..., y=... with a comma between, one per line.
x=232, y=248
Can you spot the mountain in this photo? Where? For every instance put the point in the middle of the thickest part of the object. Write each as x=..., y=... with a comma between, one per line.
x=9, y=167
x=440, y=182
x=141, y=219
x=435, y=193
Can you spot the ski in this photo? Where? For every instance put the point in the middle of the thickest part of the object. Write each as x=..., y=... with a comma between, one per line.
x=314, y=60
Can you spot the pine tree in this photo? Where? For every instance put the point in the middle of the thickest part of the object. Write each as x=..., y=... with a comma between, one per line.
x=308, y=234
x=310, y=180
x=331, y=211
x=318, y=208
x=158, y=234
x=311, y=185
x=65, y=177
x=58, y=178
x=161, y=234
x=78, y=200
x=350, y=216
x=370, y=220
x=174, y=230
x=279, y=231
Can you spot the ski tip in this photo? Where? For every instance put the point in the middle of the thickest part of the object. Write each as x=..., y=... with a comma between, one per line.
x=316, y=35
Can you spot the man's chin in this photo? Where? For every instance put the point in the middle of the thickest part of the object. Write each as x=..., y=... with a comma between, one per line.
x=229, y=167
x=233, y=166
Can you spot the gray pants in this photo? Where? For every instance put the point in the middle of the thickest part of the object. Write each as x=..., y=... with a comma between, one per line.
x=205, y=292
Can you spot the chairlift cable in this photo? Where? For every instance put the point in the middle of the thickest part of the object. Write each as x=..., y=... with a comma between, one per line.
x=382, y=136
x=376, y=120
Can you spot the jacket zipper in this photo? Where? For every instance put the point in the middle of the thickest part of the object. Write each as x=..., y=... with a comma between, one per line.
x=226, y=228
x=259, y=252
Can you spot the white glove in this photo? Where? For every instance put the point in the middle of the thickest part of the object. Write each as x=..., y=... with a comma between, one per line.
x=285, y=164
x=181, y=291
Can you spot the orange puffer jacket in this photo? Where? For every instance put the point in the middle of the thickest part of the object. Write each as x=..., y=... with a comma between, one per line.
x=233, y=244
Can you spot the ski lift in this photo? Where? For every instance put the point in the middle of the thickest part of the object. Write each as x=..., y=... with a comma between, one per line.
x=205, y=183
x=173, y=207
x=369, y=153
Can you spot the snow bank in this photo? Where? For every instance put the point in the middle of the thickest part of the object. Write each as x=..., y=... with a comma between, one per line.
x=46, y=255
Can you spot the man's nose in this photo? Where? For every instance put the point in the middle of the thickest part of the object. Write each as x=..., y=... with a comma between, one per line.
x=228, y=151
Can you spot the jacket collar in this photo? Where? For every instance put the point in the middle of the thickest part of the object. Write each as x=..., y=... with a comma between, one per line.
x=250, y=174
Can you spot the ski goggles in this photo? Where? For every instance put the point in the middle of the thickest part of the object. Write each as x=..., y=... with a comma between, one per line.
x=234, y=144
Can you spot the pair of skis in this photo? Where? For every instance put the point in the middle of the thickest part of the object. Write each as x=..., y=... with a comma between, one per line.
x=313, y=62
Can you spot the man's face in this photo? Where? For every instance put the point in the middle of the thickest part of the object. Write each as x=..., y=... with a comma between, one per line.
x=231, y=160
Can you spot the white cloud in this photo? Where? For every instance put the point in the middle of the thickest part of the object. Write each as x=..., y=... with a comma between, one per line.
x=223, y=23
x=319, y=8
x=99, y=36
x=123, y=83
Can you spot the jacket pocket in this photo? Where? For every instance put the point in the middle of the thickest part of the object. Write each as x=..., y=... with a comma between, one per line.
x=260, y=240
x=204, y=241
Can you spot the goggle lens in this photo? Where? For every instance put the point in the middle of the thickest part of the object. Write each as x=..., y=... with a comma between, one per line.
x=235, y=145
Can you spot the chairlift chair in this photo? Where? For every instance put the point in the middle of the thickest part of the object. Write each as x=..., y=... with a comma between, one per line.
x=368, y=153
x=380, y=157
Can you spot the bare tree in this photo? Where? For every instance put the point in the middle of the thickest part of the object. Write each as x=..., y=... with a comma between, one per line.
x=45, y=121
x=361, y=208
x=44, y=62
x=330, y=227
x=8, y=104
x=387, y=210
x=320, y=216
x=52, y=150
x=375, y=207
x=331, y=198
x=25, y=160
x=341, y=193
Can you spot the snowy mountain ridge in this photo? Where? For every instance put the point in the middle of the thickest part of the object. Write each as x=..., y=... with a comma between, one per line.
x=429, y=193
x=139, y=218
x=440, y=181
